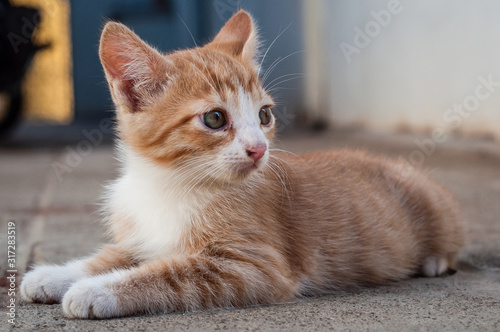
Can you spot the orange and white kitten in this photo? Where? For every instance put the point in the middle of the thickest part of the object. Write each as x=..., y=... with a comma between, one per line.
x=205, y=215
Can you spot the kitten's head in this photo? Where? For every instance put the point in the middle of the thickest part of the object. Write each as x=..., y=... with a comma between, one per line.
x=202, y=108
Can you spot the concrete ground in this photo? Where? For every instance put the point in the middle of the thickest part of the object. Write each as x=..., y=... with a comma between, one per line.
x=55, y=218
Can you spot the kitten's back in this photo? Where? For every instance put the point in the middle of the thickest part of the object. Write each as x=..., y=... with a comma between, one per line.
x=370, y=219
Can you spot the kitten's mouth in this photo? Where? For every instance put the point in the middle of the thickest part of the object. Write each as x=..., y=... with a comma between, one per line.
x=246, y=169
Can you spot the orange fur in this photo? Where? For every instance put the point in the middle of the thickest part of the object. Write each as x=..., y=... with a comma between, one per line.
x=291, y=226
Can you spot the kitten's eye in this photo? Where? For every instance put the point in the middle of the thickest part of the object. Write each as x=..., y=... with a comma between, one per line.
x=214, y=119
x=265, y=115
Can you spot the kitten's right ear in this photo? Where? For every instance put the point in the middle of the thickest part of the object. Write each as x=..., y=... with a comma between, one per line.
x=239, y=38
x=136, y=72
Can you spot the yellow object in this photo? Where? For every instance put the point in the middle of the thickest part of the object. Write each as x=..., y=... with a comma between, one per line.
x=48, y=84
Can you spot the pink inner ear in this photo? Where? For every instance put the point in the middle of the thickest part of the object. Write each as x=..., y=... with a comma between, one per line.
x=127, y=88
x=235, y=34
x=116, y=66
x=113, y=51
x=136, y=70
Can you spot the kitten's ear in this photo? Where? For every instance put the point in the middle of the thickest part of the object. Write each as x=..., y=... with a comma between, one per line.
x=238, y=37
x=136, y=72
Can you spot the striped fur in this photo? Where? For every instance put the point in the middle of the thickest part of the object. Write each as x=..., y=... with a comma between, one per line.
x=199, y=224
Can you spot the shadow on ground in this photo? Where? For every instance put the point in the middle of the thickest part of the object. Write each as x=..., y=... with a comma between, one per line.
x=56, y=219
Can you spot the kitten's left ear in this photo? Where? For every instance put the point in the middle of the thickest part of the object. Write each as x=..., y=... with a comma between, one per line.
x=238, y=37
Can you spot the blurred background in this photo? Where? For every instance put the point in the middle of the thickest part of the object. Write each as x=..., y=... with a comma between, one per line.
x=63, y=87
x=388, y=65
x=417, y=80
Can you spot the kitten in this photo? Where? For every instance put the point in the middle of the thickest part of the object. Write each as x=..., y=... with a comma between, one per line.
x=206, y=215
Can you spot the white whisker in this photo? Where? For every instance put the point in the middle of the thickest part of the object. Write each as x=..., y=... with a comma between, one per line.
x=194, y=41
x=275, y=64
x=270, y=85
x=271, y=45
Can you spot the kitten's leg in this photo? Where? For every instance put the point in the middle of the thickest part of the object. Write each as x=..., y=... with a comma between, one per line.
x=434, y=266
x=183, y=284
x=48, y=283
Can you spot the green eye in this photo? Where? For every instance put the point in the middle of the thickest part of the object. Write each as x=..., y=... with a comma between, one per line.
x=265, y=115
x=214, y=119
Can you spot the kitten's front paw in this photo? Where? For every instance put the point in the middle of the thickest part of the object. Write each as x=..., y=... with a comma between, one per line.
x=92, y=298
x=48, y=283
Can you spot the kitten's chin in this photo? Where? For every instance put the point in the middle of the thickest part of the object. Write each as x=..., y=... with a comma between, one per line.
x=245, y=172
x=237, y=174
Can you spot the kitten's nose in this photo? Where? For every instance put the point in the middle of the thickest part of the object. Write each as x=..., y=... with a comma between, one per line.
x=256, y=152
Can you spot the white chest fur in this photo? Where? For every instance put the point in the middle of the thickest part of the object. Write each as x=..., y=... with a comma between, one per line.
x=157, y=208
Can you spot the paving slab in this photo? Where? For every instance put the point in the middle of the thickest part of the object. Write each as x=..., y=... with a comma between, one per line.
x=57, y=219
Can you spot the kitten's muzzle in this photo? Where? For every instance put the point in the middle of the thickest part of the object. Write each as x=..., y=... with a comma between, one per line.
x=256, y=152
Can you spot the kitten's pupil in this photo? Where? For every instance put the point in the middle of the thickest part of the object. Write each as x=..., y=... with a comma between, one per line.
x=265, y=115
x=214, y=119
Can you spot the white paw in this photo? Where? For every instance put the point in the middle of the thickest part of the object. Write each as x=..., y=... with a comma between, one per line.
x=93, y=298
x=48, y=283
x=434, y=266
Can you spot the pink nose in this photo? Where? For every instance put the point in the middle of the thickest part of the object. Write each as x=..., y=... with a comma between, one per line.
x=256, y=152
